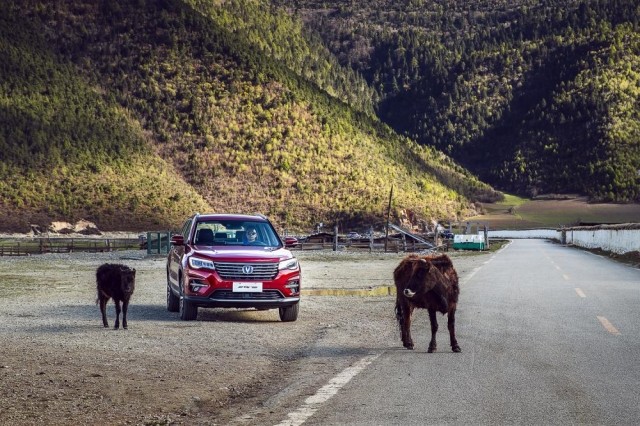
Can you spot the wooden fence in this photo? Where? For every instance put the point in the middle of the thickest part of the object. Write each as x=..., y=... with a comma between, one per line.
x=29, y=246
x=393, y=246
x=402, y=241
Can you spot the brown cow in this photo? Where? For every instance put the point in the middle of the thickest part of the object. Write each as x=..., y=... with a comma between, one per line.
x=427, y=282
x=115, y=282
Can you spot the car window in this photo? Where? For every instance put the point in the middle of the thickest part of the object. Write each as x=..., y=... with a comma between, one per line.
x=236, y=233
x=186, y=227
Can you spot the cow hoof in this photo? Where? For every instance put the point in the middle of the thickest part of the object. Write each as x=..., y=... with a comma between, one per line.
x=456, y=348
x=432, y=349
x=408, y=345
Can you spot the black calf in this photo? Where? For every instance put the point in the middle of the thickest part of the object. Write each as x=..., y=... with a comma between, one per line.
x=115, y=282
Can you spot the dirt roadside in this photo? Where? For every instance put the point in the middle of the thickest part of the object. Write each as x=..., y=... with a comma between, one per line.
x=58, y=365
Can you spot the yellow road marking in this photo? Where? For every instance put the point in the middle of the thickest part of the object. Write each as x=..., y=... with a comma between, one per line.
x=580, y=292
x=387, y=290
x=608, y=326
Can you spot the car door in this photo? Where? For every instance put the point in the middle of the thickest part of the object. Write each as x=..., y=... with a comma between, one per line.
x=176, y=253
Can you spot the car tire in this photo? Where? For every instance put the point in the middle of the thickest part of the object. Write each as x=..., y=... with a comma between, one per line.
x=188, y=312
x=289, y=313
x=173, y=301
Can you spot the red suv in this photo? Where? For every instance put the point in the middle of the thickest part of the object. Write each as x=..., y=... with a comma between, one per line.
x=231, y=261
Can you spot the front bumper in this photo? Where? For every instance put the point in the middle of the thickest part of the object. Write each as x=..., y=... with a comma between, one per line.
x=227, y=299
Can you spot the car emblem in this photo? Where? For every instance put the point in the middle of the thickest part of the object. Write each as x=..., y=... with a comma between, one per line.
x=247, y=269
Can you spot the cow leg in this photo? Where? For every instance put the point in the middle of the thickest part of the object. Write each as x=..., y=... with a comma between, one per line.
x=403, y=315
x=103, y=310
x=118, y=310
x=434, y=329
x=125, y=307
x=451, y=324
x=407, y=341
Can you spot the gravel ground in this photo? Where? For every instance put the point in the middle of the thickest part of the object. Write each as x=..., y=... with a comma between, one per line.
x=59, y=366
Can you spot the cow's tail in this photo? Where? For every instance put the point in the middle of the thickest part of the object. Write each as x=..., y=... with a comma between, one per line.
x=101, y=294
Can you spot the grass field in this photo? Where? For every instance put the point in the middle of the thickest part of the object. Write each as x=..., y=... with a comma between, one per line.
x=521, y=213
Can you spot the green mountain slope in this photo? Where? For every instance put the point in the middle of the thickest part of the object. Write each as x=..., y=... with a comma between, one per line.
x=67, y=153
x=271, y=32
x=519, y=92
x=584, y=136
x=148, y=111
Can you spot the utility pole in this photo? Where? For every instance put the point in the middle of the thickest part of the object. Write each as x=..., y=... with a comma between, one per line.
x=386, y=234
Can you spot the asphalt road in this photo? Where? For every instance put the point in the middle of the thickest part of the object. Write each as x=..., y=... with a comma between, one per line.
x=549, y=335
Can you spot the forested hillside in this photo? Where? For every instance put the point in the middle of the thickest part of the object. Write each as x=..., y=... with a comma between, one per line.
x=535, y=96
x=136, y=114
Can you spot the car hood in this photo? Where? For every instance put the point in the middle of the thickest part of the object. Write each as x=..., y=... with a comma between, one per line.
x=243, y=254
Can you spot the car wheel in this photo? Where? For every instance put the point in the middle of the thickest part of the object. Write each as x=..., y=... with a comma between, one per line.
x=289, y=313
x=188, y=312
x=173, y=301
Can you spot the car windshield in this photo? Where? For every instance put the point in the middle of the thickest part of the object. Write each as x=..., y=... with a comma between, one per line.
x=236, y=233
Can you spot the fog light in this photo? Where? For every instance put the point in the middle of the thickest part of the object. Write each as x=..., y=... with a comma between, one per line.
x=294, y=286
x=197, y=285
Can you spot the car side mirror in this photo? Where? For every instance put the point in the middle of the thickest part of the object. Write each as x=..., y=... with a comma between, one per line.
x=177, y=240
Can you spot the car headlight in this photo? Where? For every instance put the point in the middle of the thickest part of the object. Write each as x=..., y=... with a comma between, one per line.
x=199, y=263
x=288, y=264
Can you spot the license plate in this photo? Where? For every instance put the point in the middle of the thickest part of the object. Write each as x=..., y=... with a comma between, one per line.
x=247, y=287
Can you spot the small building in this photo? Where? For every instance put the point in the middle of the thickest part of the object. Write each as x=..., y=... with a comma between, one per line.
x=468, y=242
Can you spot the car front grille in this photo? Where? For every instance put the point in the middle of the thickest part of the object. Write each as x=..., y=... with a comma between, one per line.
x=247, y=271
x=230, y=295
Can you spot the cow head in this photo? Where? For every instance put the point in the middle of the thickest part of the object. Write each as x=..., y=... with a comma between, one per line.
x=127, y=280
x=427, y=282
